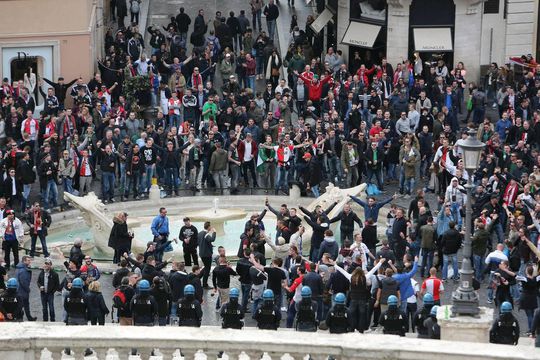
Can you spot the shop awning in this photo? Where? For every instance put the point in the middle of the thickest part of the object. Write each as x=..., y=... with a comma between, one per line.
x=433, y=39
x=361, y=34
x=321, y=20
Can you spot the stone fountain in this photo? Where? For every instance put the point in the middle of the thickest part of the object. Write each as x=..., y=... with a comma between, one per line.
x=95, y=215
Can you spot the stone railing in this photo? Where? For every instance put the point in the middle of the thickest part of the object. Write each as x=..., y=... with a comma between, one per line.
x=29, y=341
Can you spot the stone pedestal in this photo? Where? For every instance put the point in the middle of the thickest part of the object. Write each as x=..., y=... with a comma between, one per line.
x=155, y=193
x=465, y=328
x=295, y=192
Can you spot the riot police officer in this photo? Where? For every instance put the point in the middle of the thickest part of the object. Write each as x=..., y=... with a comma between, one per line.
x=338, y=318
x=11, y=305
x=505, y=329
x=393, y=320
x=144, y=307
x=75, y=304
x=421, y=315
x=231, y=312
x=431, y=325
x=189, y=309
x=267, y=314
x=306, y=311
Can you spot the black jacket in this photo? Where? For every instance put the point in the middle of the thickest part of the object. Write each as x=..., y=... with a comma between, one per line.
x=177, y=281
x=54, y=281
x=451, y=241
x=45, y=221
x=119, y=237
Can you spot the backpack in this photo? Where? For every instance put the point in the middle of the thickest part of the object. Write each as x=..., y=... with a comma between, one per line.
x=135, y=7
x=119, y=299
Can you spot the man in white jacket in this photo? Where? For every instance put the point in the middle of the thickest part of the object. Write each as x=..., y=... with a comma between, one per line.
x=11, y=234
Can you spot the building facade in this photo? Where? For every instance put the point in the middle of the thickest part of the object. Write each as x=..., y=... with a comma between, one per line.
x=54, y=38
x=475, y=32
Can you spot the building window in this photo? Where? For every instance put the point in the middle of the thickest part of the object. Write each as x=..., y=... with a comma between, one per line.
x=491, y=7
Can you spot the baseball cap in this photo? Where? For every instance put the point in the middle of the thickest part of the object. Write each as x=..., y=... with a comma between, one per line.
x=307, y=156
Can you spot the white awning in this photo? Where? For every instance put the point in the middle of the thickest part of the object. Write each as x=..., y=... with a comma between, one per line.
x=433, y=39
x=361, y=34
x=321, y=20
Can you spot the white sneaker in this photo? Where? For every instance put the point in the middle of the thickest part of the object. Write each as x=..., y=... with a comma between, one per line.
x=283, y=308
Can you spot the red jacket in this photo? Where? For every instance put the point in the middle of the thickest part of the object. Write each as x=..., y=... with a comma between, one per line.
x=242, y=149
x=314, y=86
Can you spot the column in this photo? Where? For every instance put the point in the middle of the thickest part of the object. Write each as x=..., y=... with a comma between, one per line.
x=467, y=36
x=343, y=12
x=397, y=44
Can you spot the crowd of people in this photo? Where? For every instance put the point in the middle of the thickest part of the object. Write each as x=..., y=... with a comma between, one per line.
x=277, y=120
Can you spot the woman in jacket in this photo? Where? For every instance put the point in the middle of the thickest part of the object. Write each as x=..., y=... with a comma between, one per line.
x=360, y=294
x=529, y=288
x=273, y=68
x=120, y=238
x=97, y=310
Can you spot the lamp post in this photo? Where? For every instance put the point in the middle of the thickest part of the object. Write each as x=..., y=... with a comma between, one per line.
x=465, y=299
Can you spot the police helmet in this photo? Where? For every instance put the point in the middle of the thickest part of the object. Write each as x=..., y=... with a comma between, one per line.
x=428, y=299
x=143, y=285
x=12, y=283
x=306, y=291
x=234, y=293
x=434, y=310
x=506, y=307
x=77, y=283
x=340, y=298
x=189, y=290
x=268, y=294
x=392, y=300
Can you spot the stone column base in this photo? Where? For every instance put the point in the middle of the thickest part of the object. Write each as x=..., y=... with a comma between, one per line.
x=465, y=328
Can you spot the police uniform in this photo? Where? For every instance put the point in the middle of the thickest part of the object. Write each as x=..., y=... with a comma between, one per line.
x=306, y=315
x=232, y=315
x=267, y=316
x=505, y=330
x=418, y=322
x=76, y=307
x=338, y=320
x=432, y=327
x=189, y=312
x=394, y=322
x=12, y=304
x=144, y=309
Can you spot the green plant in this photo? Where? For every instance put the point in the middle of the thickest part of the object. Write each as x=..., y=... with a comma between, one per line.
x=137, y=89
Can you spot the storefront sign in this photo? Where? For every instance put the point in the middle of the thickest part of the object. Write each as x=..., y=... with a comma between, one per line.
x=361, y=34
x=432, y=39
x=321, y=20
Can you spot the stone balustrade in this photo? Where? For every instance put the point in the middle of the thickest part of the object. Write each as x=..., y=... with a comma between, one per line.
x=38, y=341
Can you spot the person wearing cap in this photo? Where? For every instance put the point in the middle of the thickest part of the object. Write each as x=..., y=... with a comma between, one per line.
x=218, y=167
x=11, y=234
x=48, y=283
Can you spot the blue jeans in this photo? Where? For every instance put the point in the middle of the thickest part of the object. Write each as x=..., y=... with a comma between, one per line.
x=246, y=289
x=133, y=182
x=171, y=179
x=260, y=65
x=255, y=305
x=490, y=289
x=107, y=185
x=47, y=304
x=391, y=172
x=427, y=260
x=281, y=178
x=478, y=267
x=334, y=165
x=291, y=314
x=271, y=24
x=174, y=120
x=26, y=194
x=149, y=169
x=453, y=258
x=68, y=186
x=122, y=176
x=251, y=82
x=409, y=185
x=257, y=17
x=315, y=191
x=50, y=193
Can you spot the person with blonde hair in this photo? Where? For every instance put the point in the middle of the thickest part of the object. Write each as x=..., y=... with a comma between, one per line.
x=97, y=310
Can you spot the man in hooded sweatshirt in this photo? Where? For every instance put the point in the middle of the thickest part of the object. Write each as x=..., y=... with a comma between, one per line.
x=329, y=246
x=319, y=228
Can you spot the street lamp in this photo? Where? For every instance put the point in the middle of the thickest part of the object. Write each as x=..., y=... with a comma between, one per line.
x=465, y=299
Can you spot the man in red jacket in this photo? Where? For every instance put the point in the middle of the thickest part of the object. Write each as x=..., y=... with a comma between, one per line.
x=247, y=153
x=314, y=87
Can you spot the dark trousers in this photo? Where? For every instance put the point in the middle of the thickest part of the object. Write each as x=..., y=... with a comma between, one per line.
x=249, y=166
x=411, y=310
x=11, y=246
x=43, y=241
x=191, y=254
x=26, y=305
x=207, y=262
x=47, y=304
x=345, y=234
x=375, y=311
x=358, y=310
x=118, y=252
